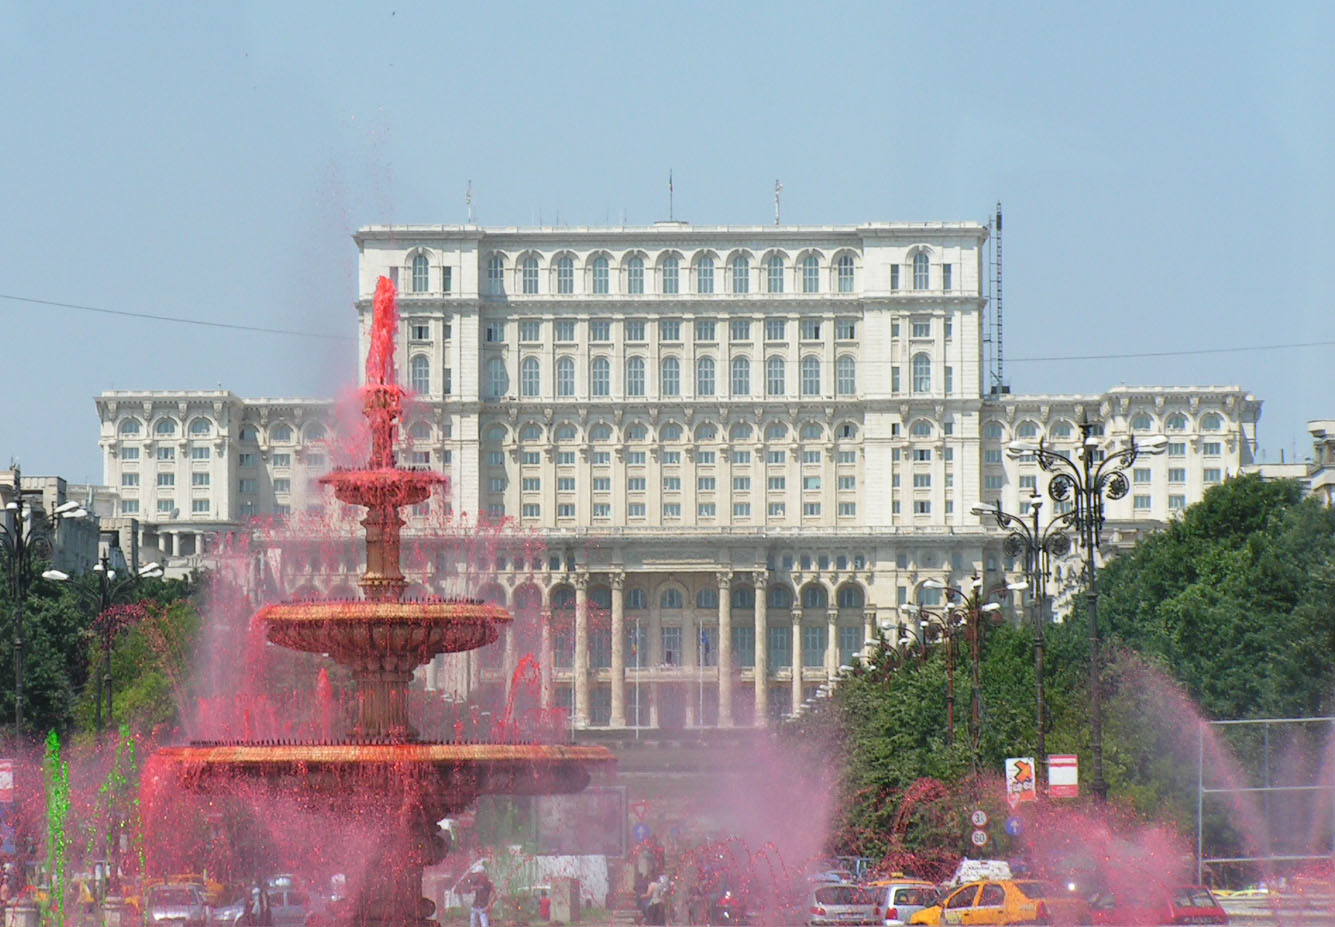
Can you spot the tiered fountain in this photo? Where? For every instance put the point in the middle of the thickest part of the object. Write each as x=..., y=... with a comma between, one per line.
x=381, y=762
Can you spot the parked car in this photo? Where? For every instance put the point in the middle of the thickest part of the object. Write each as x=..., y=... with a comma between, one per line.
x=901, y=898
x=288, y=907
x=1012, y=901
x=176, y=904
x=841, y=905
x=1158, y=904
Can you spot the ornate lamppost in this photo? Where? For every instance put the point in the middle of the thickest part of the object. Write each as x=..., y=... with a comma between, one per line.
x=1037, y=547
x=1086, y=480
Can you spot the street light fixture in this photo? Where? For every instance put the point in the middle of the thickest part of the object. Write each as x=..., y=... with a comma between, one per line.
x=1085, y=481
x=24, y=541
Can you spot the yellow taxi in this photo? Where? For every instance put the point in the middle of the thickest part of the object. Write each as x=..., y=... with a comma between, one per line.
x=1009, y=901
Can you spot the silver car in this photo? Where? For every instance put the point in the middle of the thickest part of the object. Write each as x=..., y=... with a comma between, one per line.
x=842, y=905
x=176, y=905
x=900, y=899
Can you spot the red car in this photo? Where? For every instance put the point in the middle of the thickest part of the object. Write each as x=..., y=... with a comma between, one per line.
x=1158, y=904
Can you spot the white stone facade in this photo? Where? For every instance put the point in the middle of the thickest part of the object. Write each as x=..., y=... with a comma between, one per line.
x=682, y=416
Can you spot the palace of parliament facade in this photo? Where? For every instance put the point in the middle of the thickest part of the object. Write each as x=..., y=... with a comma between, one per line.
x=744, y=448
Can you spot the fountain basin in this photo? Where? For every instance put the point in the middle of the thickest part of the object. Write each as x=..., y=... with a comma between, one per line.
x=354, y=630
x=382, y=486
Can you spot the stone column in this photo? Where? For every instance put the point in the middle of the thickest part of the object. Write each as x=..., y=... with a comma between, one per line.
x=832, y=643
x=797, y=655
x=547, y=658
x=762, y=650
x=581, y=669
x=618, y=584
x=868, y=628
x=725, y=649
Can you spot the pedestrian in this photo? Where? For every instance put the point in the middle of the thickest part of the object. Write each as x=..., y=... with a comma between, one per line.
x=482, y=889
x=257, y=907
x=655, y=902
x=544, y=906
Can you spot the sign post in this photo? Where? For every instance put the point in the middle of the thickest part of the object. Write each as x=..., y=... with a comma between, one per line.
x=1063, y=775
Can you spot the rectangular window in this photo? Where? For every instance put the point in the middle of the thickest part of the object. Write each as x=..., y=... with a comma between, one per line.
x=672, y=510
x=922, y=329
x=811, y=482
x=131, y=453
x=706, y=457
x=600, y=331
x=1141, y=503
x=705, y=484
x=602, y=484
x=246, y=485
x=531, y=510
x=166, y=453
x=602, y=457
x=166, y=506
x=846, y=329
x=846, y=457
x=129, y=480
x=531, y=484
x=811, y=329
x=1177, y=449
x=741, y=484
x=199, y=479
x=1140, y=475
x=993, y=482
x=530, y=458
x=671, y=484
x=705, y=510
x=705, y=330
x=811, y=457
x=741, y=510
x=922, y=507
x=1212, y=475
x=1211, y=448
x=602, y=510
x=283, y=485
x=565, y=484
x=950, y=380
x=780, y=640
x=776, y=483
x=894, y=379
x=1177, y=503
x=166, y=479
x=740, y=329
x=635, y=510
x=777, y=457
x=420, y=332
x=744, y=644
x=635, y=457
x=496, y=458
x=741, y=457
x=813, y=645
x=635, y=330
x=922, y=481
x=282, y=461
x=848, y=509
x=922, y=454
x=774, y=329
x=992, y=456
x=776, y=510
x=669, y=330
x=947, y=276
x=848, y=483
x=1177, y=474
x=810, y=509
x=671, y=458
x=636, y=484
x=704, y=276
x=199, y=453
x=496, y=484
x=1029, y=481
x=894, y=276
x=446, y=279
x=129, y=506
x=671, y=278
x=565, y=510
x=565, y=331
x=199, y=506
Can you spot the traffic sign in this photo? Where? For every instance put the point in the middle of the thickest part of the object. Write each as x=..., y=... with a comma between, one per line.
x=979, y=818
x=979, y=838
x=1063, y=775
x=1020, y=784
x=1014, y=826
x=640, y=832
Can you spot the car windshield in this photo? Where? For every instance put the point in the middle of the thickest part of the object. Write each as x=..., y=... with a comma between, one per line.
x=1037, y=889
x=920, y=896
x=1193, y=896
x=173, y=896
x=843, y=894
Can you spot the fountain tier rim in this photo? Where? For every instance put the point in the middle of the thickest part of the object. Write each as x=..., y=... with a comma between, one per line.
x=454, y=755
x=406, y=613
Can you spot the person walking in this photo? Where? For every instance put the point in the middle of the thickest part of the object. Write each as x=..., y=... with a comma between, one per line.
x=482, y=890
x=655, y=902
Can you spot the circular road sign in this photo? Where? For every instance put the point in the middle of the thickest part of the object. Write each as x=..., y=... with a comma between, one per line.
x=1014, y=826
x=640, y=832
x=979, y=838
x=979, y=818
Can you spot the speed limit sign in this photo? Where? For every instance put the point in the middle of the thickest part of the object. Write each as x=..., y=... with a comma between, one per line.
x=979, y=818
x=979, y=838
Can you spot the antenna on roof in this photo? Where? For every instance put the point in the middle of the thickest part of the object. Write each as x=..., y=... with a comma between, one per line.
x=468, y=201
x=671, y=215
x=778, y=188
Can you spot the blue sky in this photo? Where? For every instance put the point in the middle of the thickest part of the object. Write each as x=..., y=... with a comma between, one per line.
x=1165, y=171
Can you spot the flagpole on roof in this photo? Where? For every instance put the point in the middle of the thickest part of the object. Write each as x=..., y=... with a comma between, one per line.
x=671, y=213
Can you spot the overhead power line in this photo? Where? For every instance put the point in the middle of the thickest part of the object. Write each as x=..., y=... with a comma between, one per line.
x=177, y=319
x=1184, y=353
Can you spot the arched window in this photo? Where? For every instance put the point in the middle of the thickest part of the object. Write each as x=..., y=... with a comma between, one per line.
x=846, y=378
x=420, y=431
x=671, y=275
x=600, y=432
x=776, y=432
x=844, y=270
x=920, y=269
x=774, y=376
x=565, y=434
x=743, y=597
x=1175, y=422
x=1212, y=422
x=779, y=597
x=600, y=377
x=1140, y=422
x=530, y=433
x=164, y=426
x=811, y=375
x=419, y=374
x=1057, y=430
x=530, y=272
x=774, y=274
x=498, y=381
x=565, y=274
x=496, y=434
x=741, y=376
x=1027, y=429
x=421, y=273
x=815, y=596
x=565, y=376
x=200, y=427
x=707, y=598
x=811, y=274
x=704, y=275
x=670, y=597
x=812, y=432
x=314, y=433
x=670, y=379
x=249, y=433
x=922, y=373
x=600, y=275
x=993, y=431
x=850, y=596
x=704, y=376
x=845, y=431
x=741, y=275
x=921, y=429
x=496, y=275
x=635, y=376
x=635, y=275
x=670, y=432
x=281, y=433
x=706, y=432
x=636, y=600
x=637, y=432
x=739, y=432
x=530, y=377
x=130, y=426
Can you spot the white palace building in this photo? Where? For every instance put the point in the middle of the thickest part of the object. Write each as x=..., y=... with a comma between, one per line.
x=746, y=446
